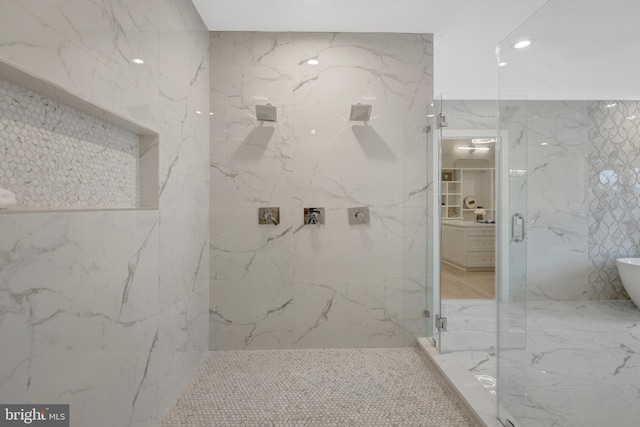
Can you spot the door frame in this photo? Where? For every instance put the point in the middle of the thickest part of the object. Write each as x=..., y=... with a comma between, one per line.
x=501, y=193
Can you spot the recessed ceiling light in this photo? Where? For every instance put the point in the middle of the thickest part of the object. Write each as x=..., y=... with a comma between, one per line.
x=544, y=143
x=483, y=140
x=431, y=115
x=503, y=64
x=313, y=62
x=632, y=117
x=613, y=104
x=137, y=61
x=522, y=44
x=211, y=114
x=198, y=112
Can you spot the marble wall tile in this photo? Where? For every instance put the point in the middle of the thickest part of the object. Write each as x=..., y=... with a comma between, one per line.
x=78, y=290
x=134, y=286
x=256, y=170
x=314, y=156
x=350, y=313
x=614, y=160
x=114, y=32
x=470, y=114
x=339, y=250
x=44, y=52
x=374, y=50
x=251, y=48
x=246, y=250
x=184, y=197
x=556, y=200
x=251, y=314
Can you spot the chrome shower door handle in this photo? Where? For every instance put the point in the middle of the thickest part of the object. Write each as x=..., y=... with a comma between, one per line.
x=517, y=221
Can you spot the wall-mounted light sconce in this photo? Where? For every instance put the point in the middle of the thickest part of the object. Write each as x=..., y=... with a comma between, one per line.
x=360, y=113
x=266, y=113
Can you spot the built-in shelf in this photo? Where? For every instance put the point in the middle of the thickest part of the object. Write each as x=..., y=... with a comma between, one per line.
x=61, y=152
x=460, y=183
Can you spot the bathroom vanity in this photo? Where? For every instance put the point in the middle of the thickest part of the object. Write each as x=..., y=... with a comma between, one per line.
x=468, y=245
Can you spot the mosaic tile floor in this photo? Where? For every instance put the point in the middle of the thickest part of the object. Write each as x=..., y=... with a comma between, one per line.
x=329, y=387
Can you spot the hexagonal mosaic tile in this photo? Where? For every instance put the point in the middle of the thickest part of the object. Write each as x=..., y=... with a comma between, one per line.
x=325, y=387
x=53, y=156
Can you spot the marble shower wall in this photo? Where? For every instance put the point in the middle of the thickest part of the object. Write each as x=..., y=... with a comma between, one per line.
x=614, y=192
x=556, y=135
x=557, y=206
x=582, y=190
x=583, y=197
x=108, y=311
x=335, y=285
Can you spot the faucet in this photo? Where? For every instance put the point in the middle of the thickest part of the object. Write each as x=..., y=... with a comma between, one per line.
x=314, y=216
x=269, y=216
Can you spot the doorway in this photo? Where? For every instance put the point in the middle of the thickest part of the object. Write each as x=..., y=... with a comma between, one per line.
x=467, y=218
x=462, y=202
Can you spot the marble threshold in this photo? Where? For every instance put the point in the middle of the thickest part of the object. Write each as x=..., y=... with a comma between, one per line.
x=579, y=364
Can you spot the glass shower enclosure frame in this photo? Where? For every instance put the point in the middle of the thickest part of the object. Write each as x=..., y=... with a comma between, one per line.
x=454, y=117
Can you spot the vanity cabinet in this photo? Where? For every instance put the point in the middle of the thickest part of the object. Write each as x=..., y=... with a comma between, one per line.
x=468, y=245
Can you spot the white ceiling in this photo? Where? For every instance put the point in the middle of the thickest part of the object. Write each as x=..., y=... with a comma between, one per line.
x=466, y=32
x=582, y=49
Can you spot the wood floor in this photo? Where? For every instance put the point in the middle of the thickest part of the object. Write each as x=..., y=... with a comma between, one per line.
x=459, y=284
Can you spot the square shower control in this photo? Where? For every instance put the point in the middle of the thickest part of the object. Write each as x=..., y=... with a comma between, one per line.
x=269, y=216
x=314, y=215
x=358, y=215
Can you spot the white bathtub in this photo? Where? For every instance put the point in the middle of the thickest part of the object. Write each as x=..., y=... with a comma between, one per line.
x=629, y=271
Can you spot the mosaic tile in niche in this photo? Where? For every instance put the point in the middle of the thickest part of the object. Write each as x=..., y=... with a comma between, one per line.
x=53, y=156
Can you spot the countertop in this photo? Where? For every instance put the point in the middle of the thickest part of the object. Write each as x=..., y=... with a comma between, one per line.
x=466, y=224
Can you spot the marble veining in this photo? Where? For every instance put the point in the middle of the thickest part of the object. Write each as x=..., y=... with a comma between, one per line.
x=578, y=365
x=125, y=291
x=614, y=162
x=581, y=189
x=293, y=286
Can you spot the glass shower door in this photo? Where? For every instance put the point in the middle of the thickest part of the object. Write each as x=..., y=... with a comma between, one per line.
x=433, y=220
x=512, y=250
x=466, y=251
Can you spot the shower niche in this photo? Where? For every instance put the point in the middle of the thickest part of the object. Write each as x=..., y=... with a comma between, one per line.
x=61, y=152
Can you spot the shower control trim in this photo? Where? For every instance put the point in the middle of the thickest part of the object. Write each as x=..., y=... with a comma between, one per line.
x=313, y=216
x=269, y=216
x=358, y=215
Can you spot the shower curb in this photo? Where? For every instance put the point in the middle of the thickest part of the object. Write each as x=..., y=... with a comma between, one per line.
x=472, y=396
